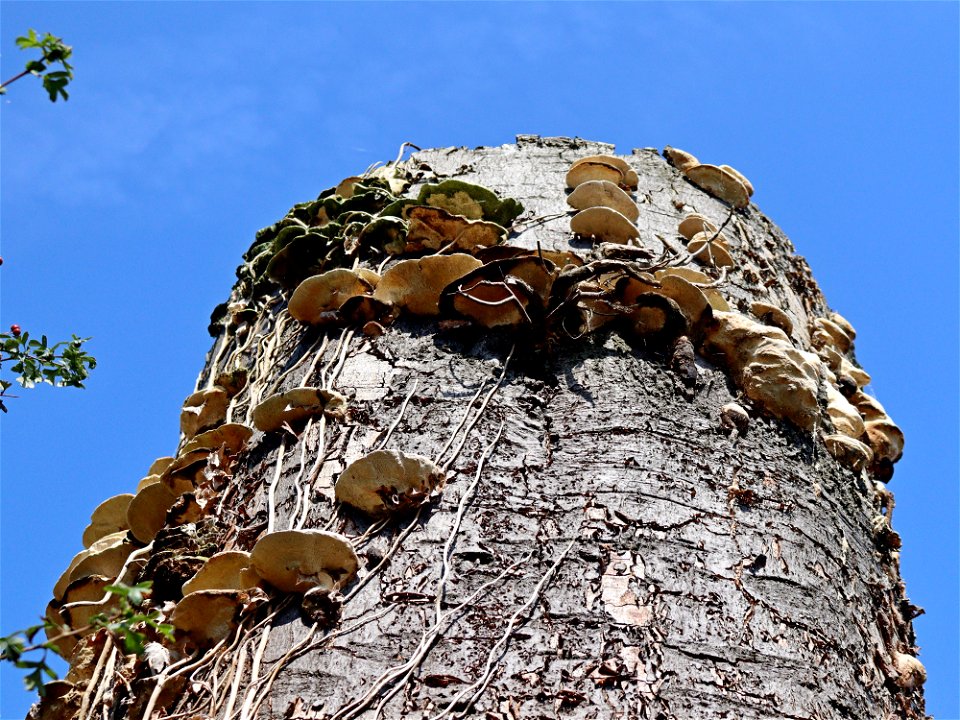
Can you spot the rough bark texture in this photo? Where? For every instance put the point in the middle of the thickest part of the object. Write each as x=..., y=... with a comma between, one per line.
x=603, y=548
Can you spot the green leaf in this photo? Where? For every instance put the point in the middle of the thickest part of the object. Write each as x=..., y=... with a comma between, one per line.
x=36, y=67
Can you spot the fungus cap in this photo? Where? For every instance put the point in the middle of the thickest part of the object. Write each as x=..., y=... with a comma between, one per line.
x=772, y=315
x=233, y=436
x=387, y=480
x=109, y=517
x=630, y=177
x=106, y=562
x=844, y=324
x=208, y=616
x=436, y=229
x=716, y=300
x=228, y=570
x=831, y=334
x=695, y=223
x=159, y=465
x=739, y=176
x=298, y=404
x=848, y=451
x=416, y=284
x=720, y=183
x=147, y=512
x=680, y=159
x=490, y=303
x=910, y=672
x=585, y=171
x=294, y=561
x=604, y=223
x=710, y=252
x=689, y=298
x=325, y=292
x=845, y=417
x=203, y=410
x=603, y=193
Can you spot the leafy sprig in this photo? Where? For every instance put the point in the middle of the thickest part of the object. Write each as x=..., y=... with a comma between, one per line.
x=64, y=364
x=53, y=52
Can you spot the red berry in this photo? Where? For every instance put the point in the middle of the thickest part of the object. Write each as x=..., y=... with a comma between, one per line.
x=15, y=330
x=1, y=261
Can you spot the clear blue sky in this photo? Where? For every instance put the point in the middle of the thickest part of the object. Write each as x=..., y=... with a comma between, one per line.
x=190, y=126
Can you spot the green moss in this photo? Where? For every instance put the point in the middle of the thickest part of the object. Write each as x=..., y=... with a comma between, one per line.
x=472, y=201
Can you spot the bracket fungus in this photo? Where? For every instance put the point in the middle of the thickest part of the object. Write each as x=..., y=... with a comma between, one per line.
x=629, y=178
x=848, y=451
x=680, y=159
x=710, y=250
x=603, y=193
x=770, y=370
x=885, y=438
x=227, y=570
x=318, y=295
x=772, y=315
x=208, y=616
x=147, y=512
x=387, y=481
x=910, y=672
x=844, y=416
x=734, y=416
x=294, y=561
x=828, y=333
x=604, y=223
x=64, y=580
x=474, y=202
x=693, y=224
x=298, y=404
x=233, y=436
x=432, y=228
x=719, y=182
x=203, y=410
x=586, y=170
x=415, y=284
x=108, y=517
x=739, y=176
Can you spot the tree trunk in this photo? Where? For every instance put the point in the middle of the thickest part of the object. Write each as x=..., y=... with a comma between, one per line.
x=605, y=546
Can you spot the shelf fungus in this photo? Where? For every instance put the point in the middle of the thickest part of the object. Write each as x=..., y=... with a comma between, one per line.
x=680, y=159
x=208, y=616
x=388, y=481
x=603, y=193
x=504, y=293
x=109, y=517
x=232, y=436
x=432, y=228
x=318, y=296
x=629, y=178
x=733, y=416
x=415, y=284
x=772, y=315
x=911, y=674
x=828, y=333
x=604, y=224
x=147, y=512
x=105, y=551
x=294, y=561
x=720, y=183
x=710, y=250
x=473, y=202
x=203, y=410
x=228, y=570
x=298, y=404
x=773, y=373
x=848, y=451
x=885, y=438
x=844, y=416
x=586, y=170
x=695, y=277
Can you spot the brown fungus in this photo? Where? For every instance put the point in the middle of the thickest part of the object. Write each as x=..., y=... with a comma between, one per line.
x=109, y=517
x=147, y=512
x=680, y=159
x=827, y=332
x=415, y=285
x=603, y=223
x=603, y=193
x=784, y=380
x=739, y=176
x=844, y=416
x=710, y=251
x=208, y=616
x=203, y=410
x=295, y=405
x=233, y=436
x=630, y=177
x=387, y=481
x=772, y=315
x=323, y=293
x=436, y=229
x=848, y=451
x=227, y=570
x=693, y=224
x=911, y=674
x=720, y=183
x=585, y=171
x=885, y=438
x=294, y=561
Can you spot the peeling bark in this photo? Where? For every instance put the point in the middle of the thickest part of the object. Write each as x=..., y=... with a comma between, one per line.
x=604, y=547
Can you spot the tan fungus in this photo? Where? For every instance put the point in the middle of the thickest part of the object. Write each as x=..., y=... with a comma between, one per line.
x=772, y=315
x=630, y=177
x=109, y=517
x=415, y=285
x=603, y=193
x=298, y=404
x=323, y=293
x=680, y=159
x=203, y=410
x=585, y=171
x=386, y=481
x=603, y=223
x=720, y=183
x=228, y=570
x=294, y=561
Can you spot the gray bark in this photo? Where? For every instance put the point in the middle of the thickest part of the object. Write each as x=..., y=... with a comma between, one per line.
x=613, y=552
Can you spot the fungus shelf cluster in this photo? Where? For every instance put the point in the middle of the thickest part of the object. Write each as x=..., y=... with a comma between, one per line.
x=364, y=255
